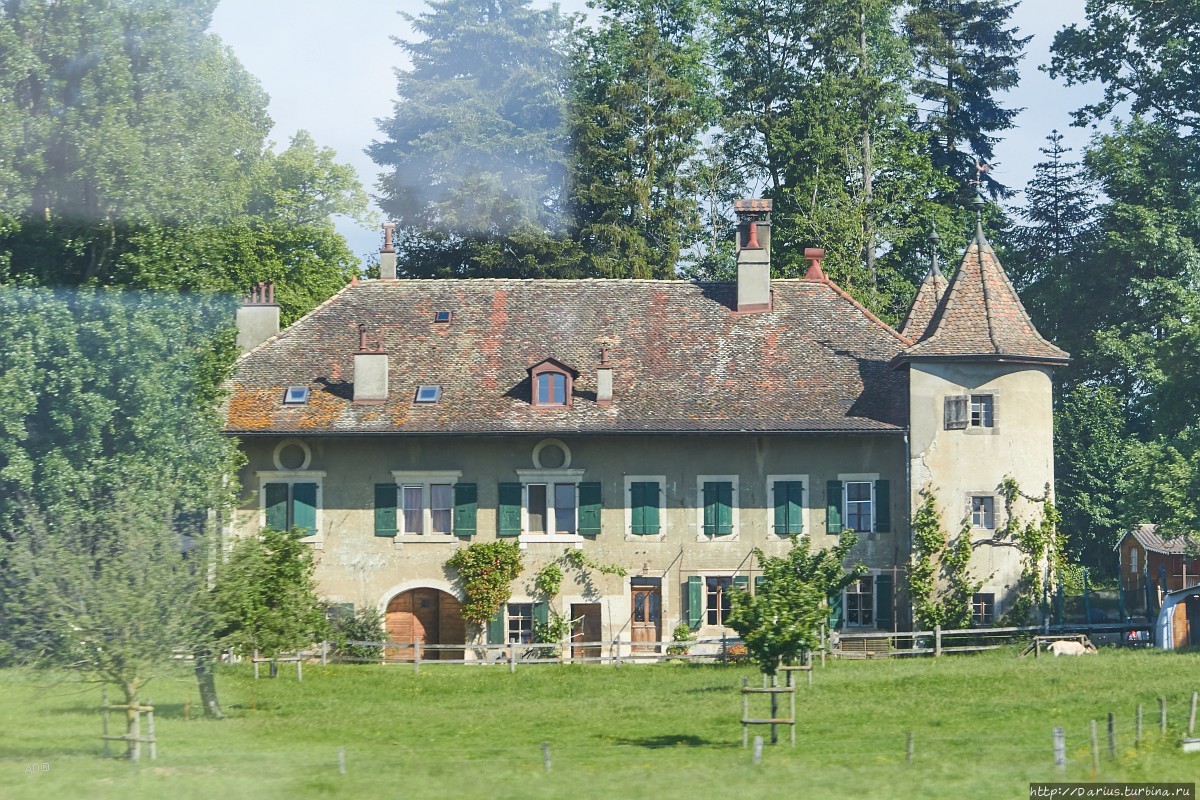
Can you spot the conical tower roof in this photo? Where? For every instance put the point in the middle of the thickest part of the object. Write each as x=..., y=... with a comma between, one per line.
x=979, y=317
x=929, y=297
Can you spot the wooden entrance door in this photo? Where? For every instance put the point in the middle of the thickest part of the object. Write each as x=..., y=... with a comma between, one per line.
x=424, y=617
x=646, y=621
x=585, y=628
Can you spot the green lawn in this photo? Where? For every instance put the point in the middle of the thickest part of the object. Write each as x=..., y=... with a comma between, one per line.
x=982, y=728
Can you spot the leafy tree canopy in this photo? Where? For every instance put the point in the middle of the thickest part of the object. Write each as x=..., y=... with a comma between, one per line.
x=782, y=618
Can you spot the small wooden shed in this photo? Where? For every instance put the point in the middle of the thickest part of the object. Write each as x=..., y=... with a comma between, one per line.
x=1152, y=566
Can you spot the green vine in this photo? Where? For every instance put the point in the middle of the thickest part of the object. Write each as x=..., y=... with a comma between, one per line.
x=578, y=560
x=549, y=580
x=1038, y=543
x=547, y=584
x=487, y=570
x=937, y=577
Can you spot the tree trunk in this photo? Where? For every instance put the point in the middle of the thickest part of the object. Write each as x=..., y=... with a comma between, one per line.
x=868, y=167
x=132, y=720
x=206, y=681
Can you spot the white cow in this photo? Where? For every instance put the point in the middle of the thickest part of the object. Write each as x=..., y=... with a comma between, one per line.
x=1068, y=648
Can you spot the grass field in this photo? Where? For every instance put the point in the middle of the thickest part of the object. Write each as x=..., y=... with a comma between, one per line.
x=982, y=729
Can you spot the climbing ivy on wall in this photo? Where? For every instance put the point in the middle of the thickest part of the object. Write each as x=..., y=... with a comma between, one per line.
x=548, y=582
x=1039, y=546
x=487, y=570
x=938, y=582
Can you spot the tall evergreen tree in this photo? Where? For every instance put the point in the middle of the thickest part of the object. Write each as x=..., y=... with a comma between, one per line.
x=1049, y=251
x=640, y=100
x=475, y=153
x=816, y=110
x=965, y=57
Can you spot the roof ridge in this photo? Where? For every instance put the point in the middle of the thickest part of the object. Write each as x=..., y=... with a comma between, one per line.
x=904, y=340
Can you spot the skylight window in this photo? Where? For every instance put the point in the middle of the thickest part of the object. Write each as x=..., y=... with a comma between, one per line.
x=295, y=396
x=429, y=394
x=442, y=316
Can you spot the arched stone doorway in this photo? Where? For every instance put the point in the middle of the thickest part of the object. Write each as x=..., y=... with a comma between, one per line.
x=425, y=616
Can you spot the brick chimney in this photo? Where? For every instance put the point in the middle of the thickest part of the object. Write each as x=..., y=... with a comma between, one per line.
x=258, y=316
x=753, y=249
x=387, y=256
x=604, y=380
x=370, y=370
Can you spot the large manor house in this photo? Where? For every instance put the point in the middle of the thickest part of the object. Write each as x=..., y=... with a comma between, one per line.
x=664, y=426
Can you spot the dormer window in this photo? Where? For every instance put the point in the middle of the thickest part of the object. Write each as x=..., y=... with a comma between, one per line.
x=551, y=384
x=551, y=389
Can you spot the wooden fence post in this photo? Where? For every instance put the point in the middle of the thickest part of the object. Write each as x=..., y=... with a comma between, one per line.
x=1192, y=715
x=758, y=743
x=104, y=705
x=1162, y=715
x=1060, y=748
x=150, y=725
x=341, y=761
x=1112, y=735
x=1095, y=752
x=546, y=756
x=908, y=755
x=1138, y=741
x=937, y=640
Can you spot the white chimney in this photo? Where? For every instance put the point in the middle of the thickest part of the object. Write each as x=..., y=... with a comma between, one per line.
x=604, y=380
x=370, y=371
x=387, y=256
x=257, y=317
x=753, y=249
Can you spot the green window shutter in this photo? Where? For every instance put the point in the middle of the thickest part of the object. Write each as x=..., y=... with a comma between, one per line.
x=466, y=504
x=643, y=507
x=789, y=502
x=833, y=506
x=724, y=508
x=742, y=582
x=710, y=509
x=589, y=509
x=883, y=602
x=883, y=506
x=304, y=507
x=508, y=517
x=835, y=611
x=276, y=502
x=385, y=509
x=541, y=613
x=695, y=600
x=759, y=582
x=496, y=628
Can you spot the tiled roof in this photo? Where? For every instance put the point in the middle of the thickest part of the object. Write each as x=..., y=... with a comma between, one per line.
x=1148, y=537
x=980, y=315
x=682, y=359
x=920, y=314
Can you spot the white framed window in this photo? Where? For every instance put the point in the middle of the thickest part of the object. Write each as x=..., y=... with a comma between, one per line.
x=983, y=407
x=717, y=599
x=983, y=512
x=717, y=502
x=520, y=623
x=1133, y=560
x=787, y=504
x=293, y=498
x=426, y=503
x=550, y=505
x=645, y=507
x=860, y=603
x=860, y=505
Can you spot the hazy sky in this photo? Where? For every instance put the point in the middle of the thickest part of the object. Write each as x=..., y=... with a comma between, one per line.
x=328, y=69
